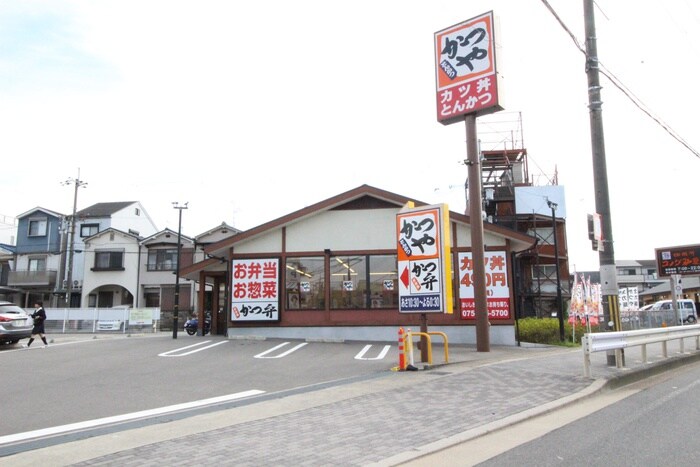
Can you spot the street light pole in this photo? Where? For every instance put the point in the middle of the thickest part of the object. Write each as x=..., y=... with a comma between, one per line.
x=176, y=308
x=71, y=237
x=560, y=313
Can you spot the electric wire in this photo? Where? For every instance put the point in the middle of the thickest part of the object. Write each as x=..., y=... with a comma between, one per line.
x=618, y=84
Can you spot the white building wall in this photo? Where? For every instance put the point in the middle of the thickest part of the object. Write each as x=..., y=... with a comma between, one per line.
x=371, y=229
x=126, y=219
x=126, y=278
x=464, y=239
x=270, y=242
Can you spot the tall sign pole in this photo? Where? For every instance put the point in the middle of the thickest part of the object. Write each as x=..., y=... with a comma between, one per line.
x=467, y=86
x=606, y=254
x=476, y=227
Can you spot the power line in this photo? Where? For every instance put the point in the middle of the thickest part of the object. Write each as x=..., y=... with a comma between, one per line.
x=618, y=84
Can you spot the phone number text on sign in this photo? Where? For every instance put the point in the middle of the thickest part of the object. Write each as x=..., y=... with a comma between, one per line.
x=498, y=308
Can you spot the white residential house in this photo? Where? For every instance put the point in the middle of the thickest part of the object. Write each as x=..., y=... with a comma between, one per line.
x=111, y=272
x=125, y=216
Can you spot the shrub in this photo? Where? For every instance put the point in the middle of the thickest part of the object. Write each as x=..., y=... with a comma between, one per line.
x=546, y=331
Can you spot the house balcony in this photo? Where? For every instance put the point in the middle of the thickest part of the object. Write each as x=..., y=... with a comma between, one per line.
x=32, y=278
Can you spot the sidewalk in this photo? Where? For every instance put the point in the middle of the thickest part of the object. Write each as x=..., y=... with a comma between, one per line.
x=387, y=420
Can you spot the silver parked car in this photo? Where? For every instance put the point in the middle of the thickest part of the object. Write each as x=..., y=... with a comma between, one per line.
x=15, y=324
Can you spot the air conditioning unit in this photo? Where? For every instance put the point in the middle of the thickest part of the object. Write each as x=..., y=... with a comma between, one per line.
x=77, y=284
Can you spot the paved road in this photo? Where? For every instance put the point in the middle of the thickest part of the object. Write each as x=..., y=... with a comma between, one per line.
x=389, y=419
x=655, y=424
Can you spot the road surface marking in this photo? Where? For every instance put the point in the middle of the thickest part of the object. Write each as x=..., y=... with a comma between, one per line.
x=169, y=352
x=283, y=354
x=382, y=354
x=125, y=417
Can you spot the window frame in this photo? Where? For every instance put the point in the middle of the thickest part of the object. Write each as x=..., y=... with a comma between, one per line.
x=90, y=227
x=39, y=260
x=43, y=223
x=160, y=259
x=113, y=254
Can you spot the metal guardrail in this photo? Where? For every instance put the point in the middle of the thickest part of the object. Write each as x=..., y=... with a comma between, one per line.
x=605, y=341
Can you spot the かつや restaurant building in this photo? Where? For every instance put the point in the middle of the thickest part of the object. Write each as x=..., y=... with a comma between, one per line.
x=329, y=271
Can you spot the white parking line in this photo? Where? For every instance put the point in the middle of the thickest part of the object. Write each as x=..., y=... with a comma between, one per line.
x=125, y=417
x=169, y=352
x=284, y=354
x=382, y=354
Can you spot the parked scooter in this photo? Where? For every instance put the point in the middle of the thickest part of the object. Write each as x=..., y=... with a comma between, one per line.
x=192, y=324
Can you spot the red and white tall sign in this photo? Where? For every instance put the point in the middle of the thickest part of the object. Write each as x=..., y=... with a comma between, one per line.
x=466, y=71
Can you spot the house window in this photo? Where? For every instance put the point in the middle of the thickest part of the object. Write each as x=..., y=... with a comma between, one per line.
x=134, y=232
x=545, y=275
x=545, y=235
x=88, y=230
x=152, y=299
x=366, y=281
x=544, y=271
x=162, y=260
x=109, y=260
x=137, y=212
x=37, y=227
x=37, y=264
x=305, y=282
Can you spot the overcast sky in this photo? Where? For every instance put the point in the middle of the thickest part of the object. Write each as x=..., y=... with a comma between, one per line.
x=252, y=110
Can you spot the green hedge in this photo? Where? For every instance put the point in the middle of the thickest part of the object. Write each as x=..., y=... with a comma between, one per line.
x=546, y=331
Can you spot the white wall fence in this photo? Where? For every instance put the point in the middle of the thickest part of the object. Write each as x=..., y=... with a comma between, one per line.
x=101, y=320
x=605, y=341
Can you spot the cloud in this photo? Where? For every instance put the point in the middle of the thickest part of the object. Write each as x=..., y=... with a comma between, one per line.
x=41, y=51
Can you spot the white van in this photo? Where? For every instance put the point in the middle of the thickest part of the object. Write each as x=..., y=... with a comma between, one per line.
x=687, y=309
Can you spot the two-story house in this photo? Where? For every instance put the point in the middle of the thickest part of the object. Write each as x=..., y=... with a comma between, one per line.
x=158, y=266
x=38, y=257
x=110, y=236
x=110, y=275
x=157, y=270
x=125, y=216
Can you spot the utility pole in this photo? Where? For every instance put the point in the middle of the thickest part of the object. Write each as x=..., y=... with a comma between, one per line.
x=71, y=236
x=176, y=308
x=606, y=254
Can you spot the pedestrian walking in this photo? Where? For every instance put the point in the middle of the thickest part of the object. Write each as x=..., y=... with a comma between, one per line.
x=39, y=316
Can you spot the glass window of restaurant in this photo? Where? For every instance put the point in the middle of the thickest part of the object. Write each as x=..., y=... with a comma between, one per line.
x=363, y=281
x=305, y=282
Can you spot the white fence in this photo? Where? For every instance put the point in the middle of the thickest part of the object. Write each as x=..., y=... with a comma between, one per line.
x=604, y=341
x=94, y=320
